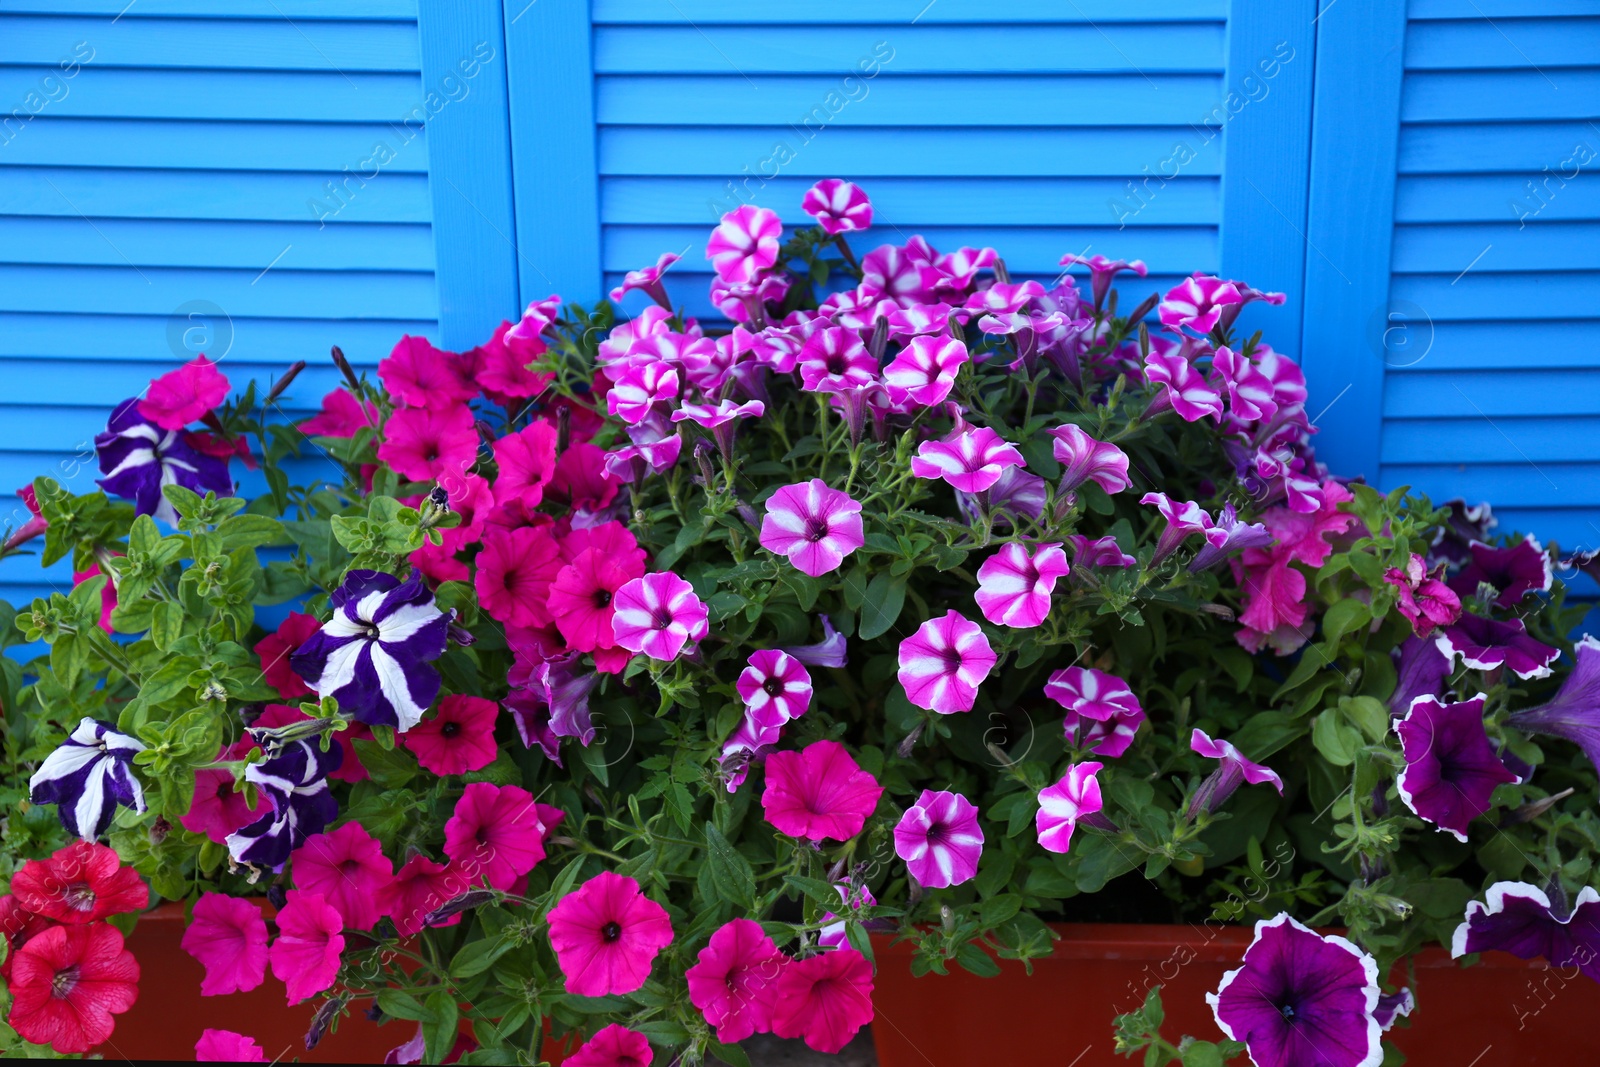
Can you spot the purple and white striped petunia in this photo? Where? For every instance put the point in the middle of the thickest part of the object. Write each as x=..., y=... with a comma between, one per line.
x=775, y=685
x=1102, y=270
x=1186, y=390
x=970, y=460
x=745, y=243
x=838, y=206
x=1521, y=919
x=1232, y=771
x=138, y=458
x=1109, y=738
x=1251, y=397
x=1101, y=552
x=814, y=526
x=834, y=358
x=1484, y=644
x=899, y=274
x=1083, y=459
x=1574, y=712
x=1229, y=534
x=658, y=614
x=1302, y=1000
x=1451, y=767
x=1092, y=694
x=294, y=782
x=1070, y=801
x=640, y=389
x=87, y=777
x=648, y=281
x=944, y=662
x=1196, y=303
x=374, y=656
x=940, y=839
x=715, y=416
x=1184, y=517
x=925, y=370
x=1014, y=586
x=918, y=319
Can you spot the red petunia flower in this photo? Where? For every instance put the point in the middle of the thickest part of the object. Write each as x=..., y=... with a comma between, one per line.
x=81, y=883
x=274, y=650
x=458, y=738
x=68, y=982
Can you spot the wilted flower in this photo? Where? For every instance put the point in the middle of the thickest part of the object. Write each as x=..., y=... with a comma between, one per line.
x=1184, y=517
x=1425, y=601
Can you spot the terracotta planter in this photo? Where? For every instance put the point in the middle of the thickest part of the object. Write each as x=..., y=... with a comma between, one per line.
x=1536, y=1016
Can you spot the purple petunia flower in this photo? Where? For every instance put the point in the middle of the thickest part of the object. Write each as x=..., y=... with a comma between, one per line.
x=648, y=281
x=1521, y=919
x=1083, y=459
x=554, y=701
x=1196, y=303
x=1451, y=768
x=294, y=781
x=1102, y=270
x=1251, y=397
x=1424, y=600
x=1015, y=493
x=1014, y=585
x=1514, y=571
x=944, y=662
x=1301, y=1000
x=640, y=389
x=940, y=839
x=1484, y=644
x=835, y=358
x=775, y=685
x=831, y=651
x=925, y=370
x=1229, y=534
x=87, y=777
x=1102, y=713
x=745, y=243
x=1101, y=552
x=1185, y=389
x=1421, y=670
x=815, y=526
x=374, y=655
x=1184, y=517
x=838, y=206
x=658, y=614
x=1075, y=798
x=970, y=461
x=1574, y=712
x=1233, y=771
x=138, y=458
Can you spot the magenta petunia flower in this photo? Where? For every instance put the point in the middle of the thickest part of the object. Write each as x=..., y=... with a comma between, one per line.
x=305, y=954
x=1185, y=389
x=613, y=1046
x=420, y=886
x=735, y=982
x=854, y=896
x=1083, y=459
x=1063, y=805
x=1102, y=270
x=1229, y=534
x=1233, y=771
x=1521, y=919
x=1014, y=586
x=1092, y=694
x=959, y=269
x=1301, y=1000
x=459, y=737
x=814, y=526
x=1251, y=396
x=648, y=281
x=944, y=662
x=775, y=685
x=515, y=569
x=970, y=460
x=229, y=938
x=347, y=868
x=1421, y=669
x=745, y=243
x=1424, y=600
x=495, y=835
x=925, y=370
x=606, y=934
x=834, y=358
x=658, y=614
x=1196, y=303
x=838, y=206
x=180, y=397
x=219, y=808
x=1451, y=767
x=641, y=389
x=422, y=376
x=1574, y=712
x=1101, y=552
x=1485, y=644
x=940, y=839
x=1004, y=299
x=583, y=596
x=1513, y=571
x=428, y=444
x=818, y=793
x=1184, y=517
x=826, y=999
x=899, y=274
x=526, y=461
x=917, y=319
x=226, y=1046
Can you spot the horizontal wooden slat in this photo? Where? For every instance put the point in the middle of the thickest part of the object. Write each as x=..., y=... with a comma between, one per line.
x=862, y=153
x=1538, y=342
x=1487, y=147
x=217, y=9
x=273, y=43
x=103, y=384
x=1516, y=484
x=1511, y=43
x=897, y=12
x=1485, y=295
x=1480, y=9
x=179, y=243
x=1536, y=196
x=1506, y=246
x=1540, y=439
x=1491, y=395
x=298, y=96
x=1451, y=96
x=262, y=340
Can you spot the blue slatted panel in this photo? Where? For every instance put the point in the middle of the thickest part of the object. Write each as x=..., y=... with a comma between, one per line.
x=186, y=155
x=1496, y=252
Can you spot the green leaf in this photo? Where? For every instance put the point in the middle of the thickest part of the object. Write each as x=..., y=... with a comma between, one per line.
x=732, y=1055
x=1344, y=617
x=730, y=871
x=476, y=957
x=974, y=960
x=251, y=531
x=439, y=1033
x=1202, y=1054
x=1368, y=715
x=398, y=1004
x=166, y=624
x=815, y=888
x=1336, y=740
x=885, y=596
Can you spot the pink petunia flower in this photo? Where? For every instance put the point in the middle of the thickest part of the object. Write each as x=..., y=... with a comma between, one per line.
x=745, y=243
x=814, y=526
x=1063, y=805
x=1184, y=517
x=903, y=275
x=274, y=649
x=515, y=571
x=958, y=269
x=838, y=206
x=818, y=793
x=1014, y=586
x=341, y=416
x=1196, y=303
x=648, y=281
x=348, y=869
x=1102, y=270
x=1006, y=298
x=582, y=597
x=579, y=482
x=735, y=982
x=501, y=367
x=1101, y=552
x=1251, y=396
x=715, y=416
x=613, y=1046
x=775, y=685
x=940, y=839
x=1083, y=459
x=943, y=663
x=305, y=954
x=428, y=444
x=919, y=319
x=1425, y=600
x=420, y=886
x=422, y=376
x=1092, y=694
x=457, y=738
x=826, y=999
x=180, y=397
x=834, y=358
x=226, y=1046
x=229, y=938
x=925, y=370
x=1185, y=389
x=854, y=896
x=641, y=389
x=526, y=461
x=219, y=808
x=970, y=460
x=495, y=834
x=658, y=614
x=1233, y=770
x=606, y=934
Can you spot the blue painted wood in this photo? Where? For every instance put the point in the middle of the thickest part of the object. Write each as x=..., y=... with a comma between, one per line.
x=895, y=12
x=1354, y=143
x=285, y=96
x=268, y=43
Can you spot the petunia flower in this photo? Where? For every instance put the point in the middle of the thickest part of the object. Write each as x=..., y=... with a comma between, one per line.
x=831, y=651
x=648, y=281
x=958, y=270
x=82, y=882
x=970, y=460
x=1574, y=712
x=612, y=1046
x=745, y=243
x=756, y=736
x=1016, y=493
x=1184, y=389
x=294, y=783
x=1101, y=552
x=342, y=415
x=1006, y=298
x=1084, y=459
x=429, y=444
x=1229, y=534
x=554, y=699
x=1251, y=396
x=350, y=768
x=1421, y=669
x=228, y=936
x=606, y=934
x=658, y=614
x=1196, y=303
x=274, y=649
x=722, y=419
x=526, y=461
x=501, y=367
x=138, y=458
x=67, y=982
x=1392, y=1006
x=219, y=808
x=1074, y=799
x=1014, y=585
x=899, y=274
x=1092, y=694
x=940, y=839
x=582, y=597
x=1425, y=601
x=459, y=738
x=1301, y=999
x=640, y=389
x=420, y=886
x=226, y=1046
x=838, y=206
x=1184, y=517
x=944, y=662
x=347, y=866
x=917, y=319
x=1451, y=768
x=815, y=526
x=775, y=685
x=1102, y=270
x=825, y=999
x=305, y=954
x=515, y=570
x=422, y=376
x=735, y=981
x=495, y=834
x=1485, y=644
x=819, y=793
x=925, y=370
x=1521, y=919
x=185, y=395
x=375, y=655
x=1513, y=571
x=87, y=776
x=833, y=358
x=1233, y=770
